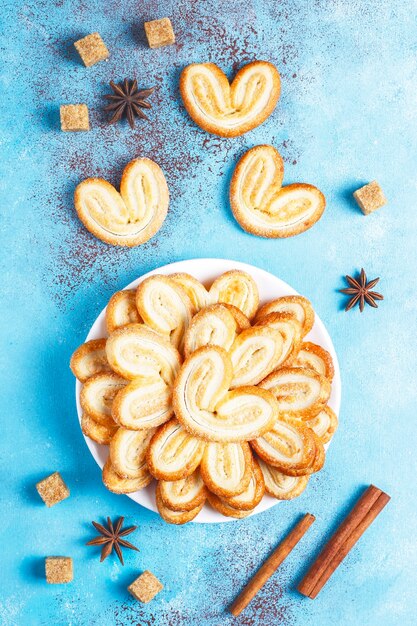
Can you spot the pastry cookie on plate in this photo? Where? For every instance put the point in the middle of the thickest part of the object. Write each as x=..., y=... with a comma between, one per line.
x=89, y=359
x=297, y=307
x=228, y=109
x=138, y=351
x=262, y=206
x=121, y=310
x=165, y=306
x=206, y=407
x=130, y=217
x=238, y=289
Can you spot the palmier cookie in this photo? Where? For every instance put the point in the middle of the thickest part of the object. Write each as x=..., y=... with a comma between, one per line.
x=230, y=110
x=171, y=516
x=205, y=408
x=130, y=217
x=222, y=506
x=214, y=325
x=101, y=432
x=118, y=484
x=253, y=494
x=290, y=330
x=255, y=353
x=296, y=306
x=173, y=453
x=89, y=359
x=138, y=351
x=262, y=206
x=121, y=310
x=98, y=393
x=144, y=403
x=314, y=357
x=324, y=424
x=185, y=494
x=280, y=485
x=195, y=290
x=237, y=288
x=226, y=468
x=300, y=392
x=164, y=306
x=128, y=450
x=291, y=447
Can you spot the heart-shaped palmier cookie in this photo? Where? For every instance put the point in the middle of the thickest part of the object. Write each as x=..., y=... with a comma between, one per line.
x=206, y=408
x=262, y=206
x=230, y=110
x=130, y=217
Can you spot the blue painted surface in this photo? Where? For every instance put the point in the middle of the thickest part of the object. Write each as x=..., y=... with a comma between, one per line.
x=347, y=115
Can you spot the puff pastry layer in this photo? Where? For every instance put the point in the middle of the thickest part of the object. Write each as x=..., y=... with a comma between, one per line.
x=236, y=288
x=300, y=392
x=214, y=325
x=280, y=485
x=101, y=431
x=144, y=403
x=121, y=310
x=171, y=516
x=291, y=447
x=173, y=453
x=226, y=468
x=255, y=353
x=314, y=357
x=164, y=306
x=138, y=351
x=230, y=110
x=98, y=393
x=222, y=506
x=290, y=330
x=262, y=206
x=89, y=359
x=130, y=217
x=185, y=494
x=195, y=290
x=295, y=306
x=253, y=494
x=118, y=484
x=324, y=424
x=128, y=450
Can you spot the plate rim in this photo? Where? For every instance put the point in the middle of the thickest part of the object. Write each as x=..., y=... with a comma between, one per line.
x=207, y=515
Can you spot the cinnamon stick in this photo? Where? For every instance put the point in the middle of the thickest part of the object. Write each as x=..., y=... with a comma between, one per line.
x=368, y=507
x=271, y=564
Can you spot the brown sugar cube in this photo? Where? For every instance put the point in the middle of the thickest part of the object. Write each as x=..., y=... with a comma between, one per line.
x=370, y=197
x=92, y=49
x=145, y=587
x=159, y=33
x=74, y=117
x=52, y=489
x=58, y=569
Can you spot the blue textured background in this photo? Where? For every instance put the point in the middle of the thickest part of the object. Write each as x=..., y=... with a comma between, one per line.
x=347, y=115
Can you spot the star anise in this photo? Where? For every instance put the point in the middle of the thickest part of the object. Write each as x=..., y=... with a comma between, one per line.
x=127, y=100
x=111, y=537
x=360, y=291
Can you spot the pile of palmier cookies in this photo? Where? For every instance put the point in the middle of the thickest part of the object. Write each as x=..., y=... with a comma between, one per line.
x=217, y=398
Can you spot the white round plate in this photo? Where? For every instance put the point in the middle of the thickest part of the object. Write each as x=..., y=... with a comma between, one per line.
x=206, y=270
